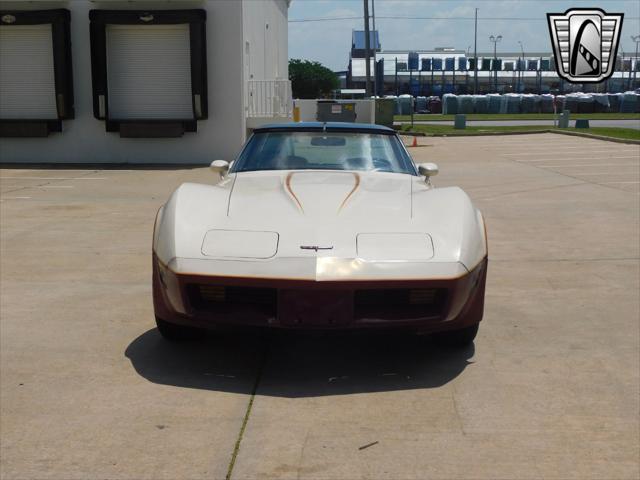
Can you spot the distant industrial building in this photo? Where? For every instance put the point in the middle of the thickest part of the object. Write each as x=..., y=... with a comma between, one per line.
x=449, y=70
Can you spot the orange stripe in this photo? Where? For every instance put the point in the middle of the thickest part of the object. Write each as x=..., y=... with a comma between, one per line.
x=353, y=190
x=287, y=183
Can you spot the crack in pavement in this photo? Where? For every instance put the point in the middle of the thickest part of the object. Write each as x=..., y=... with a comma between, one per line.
x=247, y=414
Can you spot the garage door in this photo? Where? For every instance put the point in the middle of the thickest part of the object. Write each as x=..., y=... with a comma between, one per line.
x=149, y=72
x=27, y=81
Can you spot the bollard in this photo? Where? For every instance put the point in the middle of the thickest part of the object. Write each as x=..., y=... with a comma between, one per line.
x=460, y=122
x=563, y=122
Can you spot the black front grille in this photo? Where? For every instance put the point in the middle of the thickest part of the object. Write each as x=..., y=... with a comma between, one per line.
x=219, y=297
x=399, y=302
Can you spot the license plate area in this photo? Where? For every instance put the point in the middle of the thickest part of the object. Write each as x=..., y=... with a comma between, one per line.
x=315, y=307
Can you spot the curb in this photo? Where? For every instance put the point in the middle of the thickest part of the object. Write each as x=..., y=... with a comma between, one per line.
x=399, y=131
x=491, y=134
x=479, y=134
x=597, y=137
x=412, y=134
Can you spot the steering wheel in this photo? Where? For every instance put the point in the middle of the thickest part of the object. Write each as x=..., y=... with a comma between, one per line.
x=382, y=165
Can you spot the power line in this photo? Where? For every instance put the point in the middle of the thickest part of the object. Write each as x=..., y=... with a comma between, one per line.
x=327, y=19
x=394, y=17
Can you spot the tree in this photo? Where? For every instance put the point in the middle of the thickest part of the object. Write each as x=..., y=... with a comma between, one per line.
x=311, y=79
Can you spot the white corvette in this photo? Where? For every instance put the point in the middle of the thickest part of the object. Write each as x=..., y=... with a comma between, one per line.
x=320, y=226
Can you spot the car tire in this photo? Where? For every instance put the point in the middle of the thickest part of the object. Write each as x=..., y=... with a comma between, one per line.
x=457, y=338
x=176, y=333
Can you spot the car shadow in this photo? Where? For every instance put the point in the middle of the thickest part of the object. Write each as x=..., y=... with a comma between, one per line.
x=294, y=364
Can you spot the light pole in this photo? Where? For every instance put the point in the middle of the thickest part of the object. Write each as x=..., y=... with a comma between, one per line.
x=636, y=39
x=495, y=41
x=475, y=55
x=367, y=51
x=466, y=70
x=375, y=47
x=520, y=65
x=622, y=67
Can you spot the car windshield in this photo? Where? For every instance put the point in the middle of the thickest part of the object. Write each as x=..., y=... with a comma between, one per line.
x=324, y=151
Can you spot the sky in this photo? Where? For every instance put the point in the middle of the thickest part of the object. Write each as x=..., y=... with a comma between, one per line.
x=329, y=42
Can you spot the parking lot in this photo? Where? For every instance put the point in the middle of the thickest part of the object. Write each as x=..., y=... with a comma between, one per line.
x=550, y=390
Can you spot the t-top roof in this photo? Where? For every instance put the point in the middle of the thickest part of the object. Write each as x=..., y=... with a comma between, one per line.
x=328, y=126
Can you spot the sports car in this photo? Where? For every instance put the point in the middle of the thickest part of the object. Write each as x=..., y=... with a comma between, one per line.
x=320, y=226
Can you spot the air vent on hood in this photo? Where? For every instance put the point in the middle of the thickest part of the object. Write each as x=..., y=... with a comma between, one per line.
x=394, y=246
x=240, y=244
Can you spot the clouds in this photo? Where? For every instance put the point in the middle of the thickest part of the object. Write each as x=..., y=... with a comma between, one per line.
x=329, y=42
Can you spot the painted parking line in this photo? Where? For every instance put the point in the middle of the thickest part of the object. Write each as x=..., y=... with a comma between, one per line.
x=593, y=165
x=14, y=198
x=621, y=182
x=552, y=151
x=57, y=178
x=561, y=147
x=576, y=158
x=595, y=174
x=57, y=170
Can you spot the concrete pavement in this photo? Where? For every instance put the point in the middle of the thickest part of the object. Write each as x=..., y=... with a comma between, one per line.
x=550, y=389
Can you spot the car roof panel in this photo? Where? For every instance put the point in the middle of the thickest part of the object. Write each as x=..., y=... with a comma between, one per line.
x=328, y=126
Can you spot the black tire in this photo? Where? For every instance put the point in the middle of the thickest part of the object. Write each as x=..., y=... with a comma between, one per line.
x=457, y=338
x=176, y=333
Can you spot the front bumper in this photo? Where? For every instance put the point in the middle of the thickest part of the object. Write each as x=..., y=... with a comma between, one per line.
x=425, y=305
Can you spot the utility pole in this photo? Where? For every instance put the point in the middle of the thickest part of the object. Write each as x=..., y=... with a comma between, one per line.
x=495, y=41
x=475, y=56
x=521, y=68
x=367, y=51
x=375, y=50
x=622, y=65
x=396, y=77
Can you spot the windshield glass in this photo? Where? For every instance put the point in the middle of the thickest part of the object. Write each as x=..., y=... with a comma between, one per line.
x=324, y=151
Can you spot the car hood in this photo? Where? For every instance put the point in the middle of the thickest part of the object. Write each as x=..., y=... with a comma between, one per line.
x=319, y=195
x=320, y=225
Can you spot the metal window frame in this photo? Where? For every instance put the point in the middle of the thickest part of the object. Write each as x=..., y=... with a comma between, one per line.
x=60, y=20
x=196, y=18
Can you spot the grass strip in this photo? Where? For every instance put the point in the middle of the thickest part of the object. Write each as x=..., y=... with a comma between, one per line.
x=517, y=116
x=439, y=130
x=615, y=132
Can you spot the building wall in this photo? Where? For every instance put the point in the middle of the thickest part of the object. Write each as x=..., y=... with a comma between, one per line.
x=265, y=57
x=265, y=39
x=84, y=139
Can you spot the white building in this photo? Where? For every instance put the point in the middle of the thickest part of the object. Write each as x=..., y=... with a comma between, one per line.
x=98, y=81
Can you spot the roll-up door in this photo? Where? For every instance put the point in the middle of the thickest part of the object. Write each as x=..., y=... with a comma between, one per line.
x=27, y=77
x=149, y=72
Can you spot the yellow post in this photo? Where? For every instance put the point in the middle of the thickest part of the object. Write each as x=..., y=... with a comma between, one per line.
x=296, y=114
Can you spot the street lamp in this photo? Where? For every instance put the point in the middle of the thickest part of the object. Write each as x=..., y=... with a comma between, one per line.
x=520, y=66
x=622, y=67
x=495, y=41
x=636, y=39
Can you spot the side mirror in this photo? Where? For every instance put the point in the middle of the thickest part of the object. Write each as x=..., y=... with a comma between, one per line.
x=220, y=166
x=428, y=170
